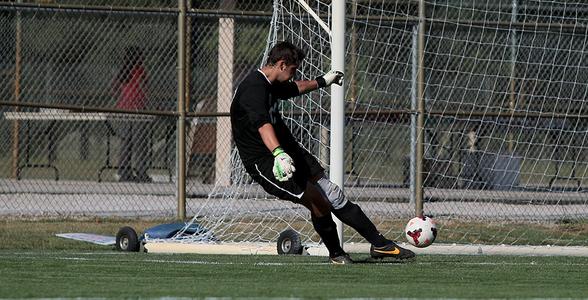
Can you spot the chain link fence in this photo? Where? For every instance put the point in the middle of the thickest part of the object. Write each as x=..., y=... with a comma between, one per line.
x=77, y=140
x=507, y=95
x=90, y=99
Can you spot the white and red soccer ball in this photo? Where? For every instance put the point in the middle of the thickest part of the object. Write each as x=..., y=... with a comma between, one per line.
x=421, y=231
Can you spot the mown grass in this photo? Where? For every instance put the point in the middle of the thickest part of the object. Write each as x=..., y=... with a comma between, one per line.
x=105, y=274
x=25, y=234
x=38, y=234
x=34, y=263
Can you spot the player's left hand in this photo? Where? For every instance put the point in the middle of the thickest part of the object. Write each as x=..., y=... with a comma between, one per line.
x=329, y=78
x=283, y=165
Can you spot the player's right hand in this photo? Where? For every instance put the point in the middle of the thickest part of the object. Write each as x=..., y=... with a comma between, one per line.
x=283, y=165
x=329, y=78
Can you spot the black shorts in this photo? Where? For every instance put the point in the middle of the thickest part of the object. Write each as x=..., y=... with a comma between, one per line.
x=307, y=167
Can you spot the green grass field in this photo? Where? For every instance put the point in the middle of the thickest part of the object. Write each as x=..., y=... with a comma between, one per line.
x=108, y=274
x=36, y=264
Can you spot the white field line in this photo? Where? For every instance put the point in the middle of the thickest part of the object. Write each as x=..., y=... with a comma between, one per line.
x=202, y=262
x=187, y=262
x=319, y=250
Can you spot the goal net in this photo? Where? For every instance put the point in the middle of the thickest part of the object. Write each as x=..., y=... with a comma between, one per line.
x=504, y=88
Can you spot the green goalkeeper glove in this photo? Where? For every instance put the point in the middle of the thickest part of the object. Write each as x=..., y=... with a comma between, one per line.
x=283, y=165
x=331, y=77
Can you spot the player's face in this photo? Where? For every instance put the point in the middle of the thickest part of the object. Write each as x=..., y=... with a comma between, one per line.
x=287, y=72
x=291, y=71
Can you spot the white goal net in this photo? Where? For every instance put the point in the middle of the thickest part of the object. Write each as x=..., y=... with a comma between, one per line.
x=505, y=129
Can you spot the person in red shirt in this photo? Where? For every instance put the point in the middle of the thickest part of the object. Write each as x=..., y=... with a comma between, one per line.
x=130, y=84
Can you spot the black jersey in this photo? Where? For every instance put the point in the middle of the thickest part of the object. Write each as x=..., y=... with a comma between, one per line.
x=255, y=103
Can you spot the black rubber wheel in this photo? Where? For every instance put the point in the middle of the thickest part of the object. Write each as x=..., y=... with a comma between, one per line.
x=289, y=242
x=127, y=240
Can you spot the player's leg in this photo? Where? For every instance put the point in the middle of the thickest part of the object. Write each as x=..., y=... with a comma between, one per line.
x=351, y=214
x=348, y=212
x=307, y=167
x=322, y=221
x=299, y=190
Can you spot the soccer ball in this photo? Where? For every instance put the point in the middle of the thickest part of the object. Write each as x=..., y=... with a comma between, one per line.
x=421, y=231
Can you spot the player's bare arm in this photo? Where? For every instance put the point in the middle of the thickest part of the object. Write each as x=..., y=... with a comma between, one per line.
x=306, y=86
x=331, y=77
x=283, y=164
x=268, y=135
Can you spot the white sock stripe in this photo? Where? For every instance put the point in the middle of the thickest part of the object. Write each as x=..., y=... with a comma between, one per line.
x=279, y=187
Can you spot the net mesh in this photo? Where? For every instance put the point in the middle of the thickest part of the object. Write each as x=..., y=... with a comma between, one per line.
x=504, y=128
x=504, y=132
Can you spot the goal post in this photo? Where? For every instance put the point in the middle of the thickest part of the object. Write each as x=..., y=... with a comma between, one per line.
x=484, y=101
x=337, y=159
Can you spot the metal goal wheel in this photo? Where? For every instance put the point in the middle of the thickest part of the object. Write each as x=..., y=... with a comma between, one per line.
x=289, y=242
x=127, y=240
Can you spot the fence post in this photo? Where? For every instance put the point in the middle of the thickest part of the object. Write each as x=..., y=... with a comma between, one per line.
x=226, y=59
x=181, y=136
x=17, y=67
x=513, y=70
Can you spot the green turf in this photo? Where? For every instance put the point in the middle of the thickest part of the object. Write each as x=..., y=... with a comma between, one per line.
x=110, y=274
x=34, y=263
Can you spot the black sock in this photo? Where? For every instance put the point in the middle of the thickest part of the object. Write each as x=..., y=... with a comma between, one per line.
x=327, y=230
x=352, y=215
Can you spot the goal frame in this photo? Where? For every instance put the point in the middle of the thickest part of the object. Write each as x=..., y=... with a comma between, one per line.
x=337, y=154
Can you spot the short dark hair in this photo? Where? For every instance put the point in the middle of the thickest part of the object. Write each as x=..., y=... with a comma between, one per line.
x=286, y=51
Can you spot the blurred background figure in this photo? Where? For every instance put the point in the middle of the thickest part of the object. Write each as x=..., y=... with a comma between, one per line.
x=130, y=84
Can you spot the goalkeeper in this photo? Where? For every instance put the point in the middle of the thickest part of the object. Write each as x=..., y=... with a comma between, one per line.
x=275, y=160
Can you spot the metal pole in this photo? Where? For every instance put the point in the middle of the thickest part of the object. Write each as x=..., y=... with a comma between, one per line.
x=420, y=148
x=413, y=117
x=226, y=59
x=189, y=136
x=188, y=57
x=17, y=70
x=513, y=59
x=337, y=159
x=352, y=79
x=181, y=135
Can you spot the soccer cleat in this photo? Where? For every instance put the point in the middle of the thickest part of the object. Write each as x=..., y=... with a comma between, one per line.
x=343, y=259
x=391, y=250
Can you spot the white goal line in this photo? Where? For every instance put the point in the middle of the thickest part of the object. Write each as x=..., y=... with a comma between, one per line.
x=320, y=250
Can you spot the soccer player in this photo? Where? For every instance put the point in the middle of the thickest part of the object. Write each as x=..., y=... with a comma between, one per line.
x=275, y=160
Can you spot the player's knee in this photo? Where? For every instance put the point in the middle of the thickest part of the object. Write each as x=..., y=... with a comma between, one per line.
x=333, y=193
